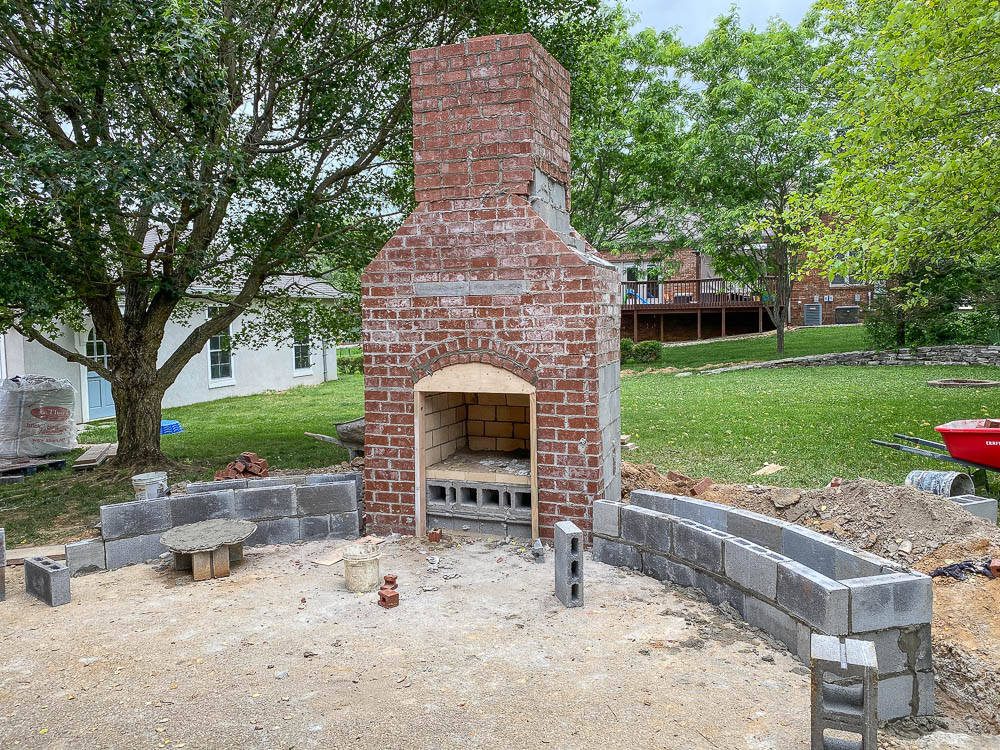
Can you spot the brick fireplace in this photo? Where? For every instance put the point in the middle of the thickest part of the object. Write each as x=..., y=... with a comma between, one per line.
x=490, y=328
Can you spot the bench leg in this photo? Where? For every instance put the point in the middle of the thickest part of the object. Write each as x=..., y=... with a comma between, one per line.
x=220, y=562
x=236, y=552
x=182, y=561
x=201, y=566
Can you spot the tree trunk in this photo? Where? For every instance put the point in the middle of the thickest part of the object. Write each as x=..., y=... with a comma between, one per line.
x=781, y=334
x=138, y=403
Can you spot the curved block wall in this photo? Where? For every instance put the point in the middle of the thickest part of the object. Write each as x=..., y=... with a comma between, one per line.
x=784, y=579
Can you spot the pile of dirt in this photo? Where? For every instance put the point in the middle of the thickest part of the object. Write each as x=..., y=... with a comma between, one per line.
x=646, y=477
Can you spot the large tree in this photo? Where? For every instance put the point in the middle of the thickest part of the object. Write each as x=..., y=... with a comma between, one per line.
x=748, y=158
x=158, y=155
x=916, y=163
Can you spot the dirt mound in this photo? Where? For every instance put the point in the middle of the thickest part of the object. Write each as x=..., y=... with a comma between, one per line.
x=646, y=477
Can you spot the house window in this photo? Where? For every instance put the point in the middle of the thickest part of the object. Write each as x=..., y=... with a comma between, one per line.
x=220, y=354
x=300, y=351
x=839, y=280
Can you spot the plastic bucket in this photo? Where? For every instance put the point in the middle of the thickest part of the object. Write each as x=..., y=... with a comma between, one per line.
x=361, y=567
x=946, y=483
x=150, y=486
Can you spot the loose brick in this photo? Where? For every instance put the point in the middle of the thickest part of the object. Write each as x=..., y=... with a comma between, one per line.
x=388, y=598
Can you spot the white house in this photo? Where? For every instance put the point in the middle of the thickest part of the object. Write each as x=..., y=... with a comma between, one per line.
x=215, y=372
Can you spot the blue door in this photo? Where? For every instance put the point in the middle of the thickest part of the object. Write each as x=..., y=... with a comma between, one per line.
x=102, y=405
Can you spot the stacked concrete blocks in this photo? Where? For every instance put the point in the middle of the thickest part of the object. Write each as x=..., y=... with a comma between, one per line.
x=844, y=693
x=785, y=579
x=47, y=580
x=86, y=556
x=568, y=541
x=132, y=531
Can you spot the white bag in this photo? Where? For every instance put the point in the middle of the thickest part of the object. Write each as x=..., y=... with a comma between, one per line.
x=36, y=417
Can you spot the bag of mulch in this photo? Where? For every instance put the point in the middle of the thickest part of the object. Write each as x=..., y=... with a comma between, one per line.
x=36, y=417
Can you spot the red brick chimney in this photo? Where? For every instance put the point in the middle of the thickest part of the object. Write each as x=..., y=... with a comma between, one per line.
x=486, y=113
x=490, y=328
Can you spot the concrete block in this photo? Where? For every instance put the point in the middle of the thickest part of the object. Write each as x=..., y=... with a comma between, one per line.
x=895, y=695
x=332, y=497
x=983, y=507
x=925, y=694
x=843, y=689
x=890, y=600
x=752, y=566
x=194, y=488
x=661, y=502
x=282, y=481
x=135, y=518
x=568, y=541
x=202, y=506
x=351, y=476
x=850, y=563
x=138, y=549
x=345, y=525
x=275, y=531
x=718, y=591
x=756, y=528
x=772, y=621
x=265, y=503
x=47, y=580
x=615, y=553
x=608, y=518
x=314, y=527
x=86, y=556
x=812, y=549
x=697, y=544
x=713, y=515
x=646, y=528
x=813, y=598
x=664, y=569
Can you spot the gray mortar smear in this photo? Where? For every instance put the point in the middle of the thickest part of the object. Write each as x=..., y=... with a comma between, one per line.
x=205, y=536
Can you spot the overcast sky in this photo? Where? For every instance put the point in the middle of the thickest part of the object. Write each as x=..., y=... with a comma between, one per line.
x=695, y=17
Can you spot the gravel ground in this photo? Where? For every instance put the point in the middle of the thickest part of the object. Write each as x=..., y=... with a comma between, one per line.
x=280, y=655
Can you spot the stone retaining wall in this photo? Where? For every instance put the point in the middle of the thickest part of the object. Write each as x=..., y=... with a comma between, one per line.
x=784, y=579
x=285, y=509
x=924, y=355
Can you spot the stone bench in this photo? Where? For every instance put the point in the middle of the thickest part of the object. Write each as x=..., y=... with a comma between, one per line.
x=783, y=578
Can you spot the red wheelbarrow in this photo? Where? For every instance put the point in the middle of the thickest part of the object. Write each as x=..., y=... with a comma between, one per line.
x=973, y=443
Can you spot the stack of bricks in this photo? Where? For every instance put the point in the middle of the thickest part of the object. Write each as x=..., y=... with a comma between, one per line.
x=488, y=270
x=247, y=465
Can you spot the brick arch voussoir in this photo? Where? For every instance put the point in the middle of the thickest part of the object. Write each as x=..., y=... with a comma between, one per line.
x=470, y=350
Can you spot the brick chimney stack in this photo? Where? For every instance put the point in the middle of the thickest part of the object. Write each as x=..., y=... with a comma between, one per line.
x=487, y=113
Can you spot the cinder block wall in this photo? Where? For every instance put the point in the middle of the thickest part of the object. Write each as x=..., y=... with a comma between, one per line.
x=476, y=274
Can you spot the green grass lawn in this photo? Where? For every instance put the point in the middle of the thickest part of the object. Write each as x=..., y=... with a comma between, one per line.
x=818, y=422
x=798, y=343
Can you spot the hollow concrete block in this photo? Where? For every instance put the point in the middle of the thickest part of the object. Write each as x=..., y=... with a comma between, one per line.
x=568, y=541
x=713, y=515
x=202, y=506
x=121, y=552
x=136, y=518
x=326, y=498
x=661, y=502
x=47, y=580
x=607, y=518
x=889, y=601
x=646, y=528
x=615, y=553
x=697, y=544
x=756, y=528
x=815, y=599
x=86, y=556
x=275, y=531
x=664, y=569
x=265, y=503
x=752, y=566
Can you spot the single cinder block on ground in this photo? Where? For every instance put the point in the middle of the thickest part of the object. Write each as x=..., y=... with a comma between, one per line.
x=47, y=580
x=202, y=506
x=713, y=515
x=820, y=602
x=752, y=566
x=844, y=693
x=661, y=502
x=615, y=553
x=698, y=544
x=889, y=601
x=257, y=504
x=138, y=549
x=983, y=507
x=646, y=528
x=568, y=540
x=323, y=499
x=607, y=518
x=3, y=565
x=86, y=556
x=135, y=518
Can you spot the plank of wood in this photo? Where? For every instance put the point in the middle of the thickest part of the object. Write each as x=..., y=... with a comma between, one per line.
x=334, y=556
x=323, y=438
x=113, y=451
x=17, y=555
x=93, y=457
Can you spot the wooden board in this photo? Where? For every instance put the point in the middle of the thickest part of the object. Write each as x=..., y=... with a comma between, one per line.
x=334, y=556
x=94, y=456
x=28, y=466
x=17, y=555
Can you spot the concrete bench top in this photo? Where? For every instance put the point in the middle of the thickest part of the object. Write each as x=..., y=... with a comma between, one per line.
x=206, y=536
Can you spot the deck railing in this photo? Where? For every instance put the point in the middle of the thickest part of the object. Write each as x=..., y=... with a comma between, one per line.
x=689, y=294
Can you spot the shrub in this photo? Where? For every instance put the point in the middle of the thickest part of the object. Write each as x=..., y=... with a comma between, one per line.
x=349, y=365
x=628, y=346
x=647, y=351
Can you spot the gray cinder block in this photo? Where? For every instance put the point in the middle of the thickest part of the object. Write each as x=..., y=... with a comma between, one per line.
x=895, y=697
x=849, y=563
x=314, y=527
x=345, y=525
x=135, y=518
x=752, y=566
x=202, y=506
x=661, y=502
x=332, y=497
x=275, y=531
x=283, y=481
x=616, y=554
x=607, y=518
x=845, y=692
x=757, y=528
x=812, y=549
x=817, y=600
x=889, y=601
x=983, y=507
x=568, y=540
x=3, y=565
x=718, y=591
x=698, y=544
x=47, y=580
x=86, y=556
x=351, y=476
x=222, y=484
x=264, y=503
x=662, y=569
x=646, y=528
x=121, y=552
x=774, y=622
x=713, y=515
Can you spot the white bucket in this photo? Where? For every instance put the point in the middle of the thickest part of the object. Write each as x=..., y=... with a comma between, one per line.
x=150, y=486
x=361, y=567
